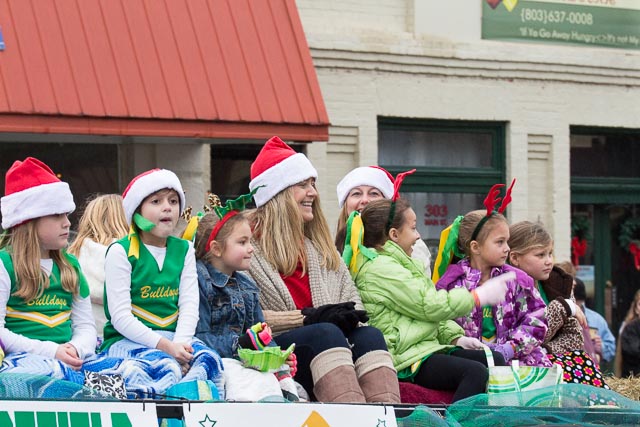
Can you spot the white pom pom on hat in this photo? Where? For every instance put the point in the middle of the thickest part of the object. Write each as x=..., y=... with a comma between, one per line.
x=373, y=176
x=146, y=184
x=278, y=167
x=32, y=191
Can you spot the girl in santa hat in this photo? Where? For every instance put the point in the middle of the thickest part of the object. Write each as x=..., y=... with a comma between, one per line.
x=361, y=186
x=46, y=323
x=151, y=295
x=306, y=292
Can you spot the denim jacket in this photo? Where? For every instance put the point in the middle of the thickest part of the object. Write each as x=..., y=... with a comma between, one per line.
x=228, y=306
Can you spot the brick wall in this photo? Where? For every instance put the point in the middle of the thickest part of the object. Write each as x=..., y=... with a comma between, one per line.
x=384, y=58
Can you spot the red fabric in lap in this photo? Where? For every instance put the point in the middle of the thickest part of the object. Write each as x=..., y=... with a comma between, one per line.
x=413, y=393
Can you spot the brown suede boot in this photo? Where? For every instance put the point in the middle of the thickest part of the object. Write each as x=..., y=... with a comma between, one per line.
x=334, y=377
x=377, y=377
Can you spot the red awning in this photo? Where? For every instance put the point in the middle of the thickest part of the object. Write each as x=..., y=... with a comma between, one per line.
x=187, y=68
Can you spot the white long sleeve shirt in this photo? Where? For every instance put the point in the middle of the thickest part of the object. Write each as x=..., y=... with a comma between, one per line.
x=82, y=324
x=118, y=289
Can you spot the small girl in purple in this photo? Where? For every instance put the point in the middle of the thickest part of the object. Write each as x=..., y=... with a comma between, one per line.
x=516, y=327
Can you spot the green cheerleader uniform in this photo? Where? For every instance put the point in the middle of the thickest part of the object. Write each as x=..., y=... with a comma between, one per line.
x=154, y=290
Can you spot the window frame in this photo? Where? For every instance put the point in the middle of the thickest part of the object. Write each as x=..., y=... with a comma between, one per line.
x=430, y=179
x=603, y=190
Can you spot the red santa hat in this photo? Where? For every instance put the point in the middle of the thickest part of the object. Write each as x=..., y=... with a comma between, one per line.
x=373, y=176
x=146, y=184
x=278, y=167
x=32, y=191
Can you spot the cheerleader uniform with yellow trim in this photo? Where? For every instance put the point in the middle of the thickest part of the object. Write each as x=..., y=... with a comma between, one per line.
x=38, y=327
x=151, y=293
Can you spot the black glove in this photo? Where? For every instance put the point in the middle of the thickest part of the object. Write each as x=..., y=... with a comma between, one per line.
x=343, y=315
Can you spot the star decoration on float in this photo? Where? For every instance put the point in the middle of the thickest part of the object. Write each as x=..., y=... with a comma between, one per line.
x=207, y=422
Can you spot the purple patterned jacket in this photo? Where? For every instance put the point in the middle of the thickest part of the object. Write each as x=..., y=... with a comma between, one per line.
x=519, y=319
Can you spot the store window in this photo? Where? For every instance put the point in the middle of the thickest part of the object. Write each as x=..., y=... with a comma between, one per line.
x=605, y=213
x=231, y=167
x=457, y=162
x=604, y=154
x=89, y=169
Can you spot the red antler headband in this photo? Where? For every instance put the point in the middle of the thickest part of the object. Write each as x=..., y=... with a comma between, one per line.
x=490, y=202
x=396, y=193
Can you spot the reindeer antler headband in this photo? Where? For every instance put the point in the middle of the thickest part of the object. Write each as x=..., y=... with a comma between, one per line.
x=397, y=183
x=491, y=202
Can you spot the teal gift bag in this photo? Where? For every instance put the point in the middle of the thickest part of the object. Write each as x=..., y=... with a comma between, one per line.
x=504, y=381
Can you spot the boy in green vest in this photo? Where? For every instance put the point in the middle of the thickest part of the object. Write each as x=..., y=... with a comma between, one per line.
x=151, y=294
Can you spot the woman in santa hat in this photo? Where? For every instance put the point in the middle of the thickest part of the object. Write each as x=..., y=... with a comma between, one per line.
x=307, y=294
x=361, y=186
x=46, y=322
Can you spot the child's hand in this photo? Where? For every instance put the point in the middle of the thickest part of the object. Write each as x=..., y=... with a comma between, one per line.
x=597, y=344
x=184, y=368
x=493, y=291
x=67, y=353
x=266, y=330
x=468, y=343
x=581, y=318
x=180, y=351
x=292, y=361
x=257, y=337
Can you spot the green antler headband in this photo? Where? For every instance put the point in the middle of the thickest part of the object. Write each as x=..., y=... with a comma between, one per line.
x=228, y=211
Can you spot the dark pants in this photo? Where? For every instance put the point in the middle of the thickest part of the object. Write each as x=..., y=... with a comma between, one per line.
x=313, y=339
x=462, y=371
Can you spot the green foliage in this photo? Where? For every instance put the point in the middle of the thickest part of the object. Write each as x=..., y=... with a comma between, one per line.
x=629, y=232
x=580, y=227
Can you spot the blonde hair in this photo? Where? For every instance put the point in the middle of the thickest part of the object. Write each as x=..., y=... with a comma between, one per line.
x=206, y=225
x=526, y=236
x=468, y=225
x=567, y=267
x=102, y=221
x=23, y=245
x=279, y=231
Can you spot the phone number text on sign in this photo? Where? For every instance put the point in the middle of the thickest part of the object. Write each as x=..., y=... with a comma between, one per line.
x=555, y=16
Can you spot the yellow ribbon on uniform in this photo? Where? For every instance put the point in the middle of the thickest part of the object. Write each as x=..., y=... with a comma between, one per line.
x=192, y=227
x=134, y=243
x=357, y=231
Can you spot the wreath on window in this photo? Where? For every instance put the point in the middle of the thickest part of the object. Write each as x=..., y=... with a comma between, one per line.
x=580, y=228
x=629, y=239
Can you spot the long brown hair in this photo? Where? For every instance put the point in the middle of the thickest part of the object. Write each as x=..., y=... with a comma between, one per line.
x=23, y=245
x=102, y=221
x=375, y=218
x=279, y=231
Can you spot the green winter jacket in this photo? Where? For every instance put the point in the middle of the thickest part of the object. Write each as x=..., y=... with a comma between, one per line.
x=403, y=303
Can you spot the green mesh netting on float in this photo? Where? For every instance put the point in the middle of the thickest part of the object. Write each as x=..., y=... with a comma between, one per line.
x=29, y=386
x=561, y=405
x=422, y=416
